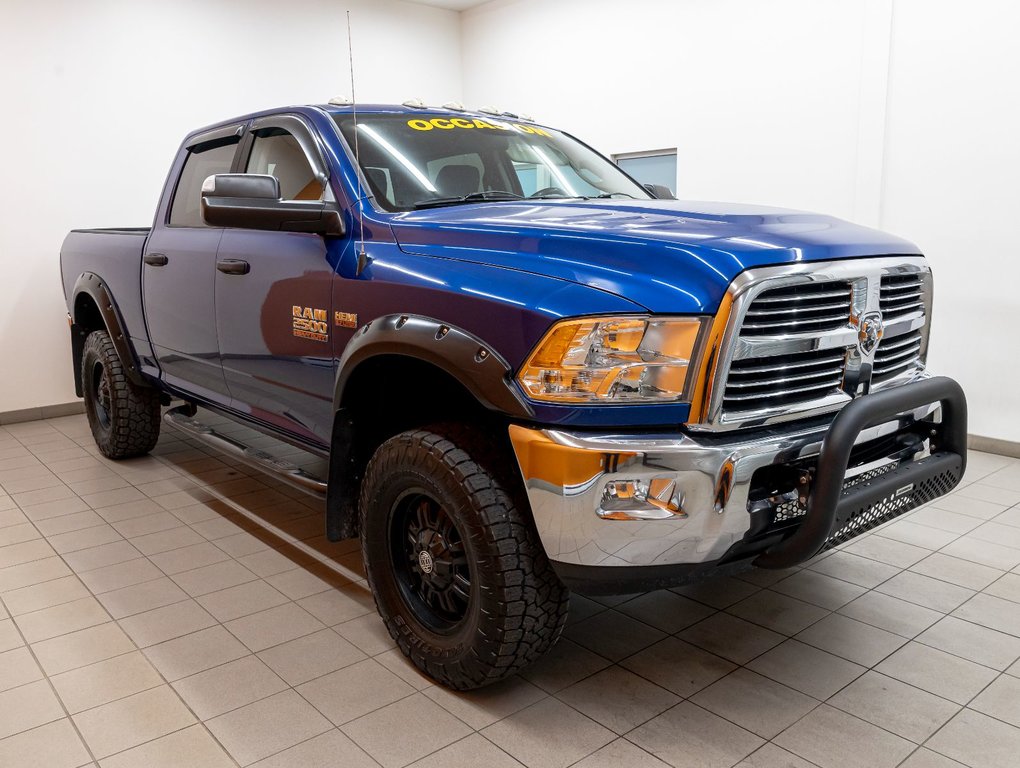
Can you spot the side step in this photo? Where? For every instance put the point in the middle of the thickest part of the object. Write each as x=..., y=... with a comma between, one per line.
x=284, y=470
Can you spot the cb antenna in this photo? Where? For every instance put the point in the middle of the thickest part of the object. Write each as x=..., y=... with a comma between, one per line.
x=362, y=256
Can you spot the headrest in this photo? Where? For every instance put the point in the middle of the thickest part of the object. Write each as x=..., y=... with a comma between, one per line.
x=458, y=180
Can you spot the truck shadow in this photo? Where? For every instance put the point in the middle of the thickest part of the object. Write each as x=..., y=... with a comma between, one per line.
x=278, y=532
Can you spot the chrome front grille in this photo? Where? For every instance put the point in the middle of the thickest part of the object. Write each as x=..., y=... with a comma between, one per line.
x=799, y=309
x=800, y=338
x=901, y=295
x=896, y=355
x=761, y=382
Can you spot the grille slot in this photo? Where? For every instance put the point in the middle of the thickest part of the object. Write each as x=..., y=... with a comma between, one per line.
x=783, y=380
x=902, y=295
x=807, y=308
x=896, y=355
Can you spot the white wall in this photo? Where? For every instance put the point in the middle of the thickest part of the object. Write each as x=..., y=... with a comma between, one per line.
x=759, y=98
x=894, y=113
x=902, y=114
x=952, y=184
x=97, y=96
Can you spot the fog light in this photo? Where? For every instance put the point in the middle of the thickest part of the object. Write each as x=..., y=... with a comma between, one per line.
x=645, y=499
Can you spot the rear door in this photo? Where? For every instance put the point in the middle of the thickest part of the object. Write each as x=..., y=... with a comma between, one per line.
x=179, y=269
x=273, y=294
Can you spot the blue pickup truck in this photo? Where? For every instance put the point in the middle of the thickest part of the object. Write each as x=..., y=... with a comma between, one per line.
x=525, y=372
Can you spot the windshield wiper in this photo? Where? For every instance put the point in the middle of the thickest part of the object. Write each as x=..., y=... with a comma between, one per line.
x=474, y=197
x=604, y=195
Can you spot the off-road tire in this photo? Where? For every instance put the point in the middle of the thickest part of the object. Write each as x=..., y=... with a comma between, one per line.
x=124, y=416
x=517, y=606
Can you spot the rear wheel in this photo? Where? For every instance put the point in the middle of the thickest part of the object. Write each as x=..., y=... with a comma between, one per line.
x=456, y=569
x=124, y=417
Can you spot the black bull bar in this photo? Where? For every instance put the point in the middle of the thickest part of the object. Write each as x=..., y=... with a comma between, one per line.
x=831, y=506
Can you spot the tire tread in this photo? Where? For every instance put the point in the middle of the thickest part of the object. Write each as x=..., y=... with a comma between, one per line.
x=526, y=611
x=134, y=411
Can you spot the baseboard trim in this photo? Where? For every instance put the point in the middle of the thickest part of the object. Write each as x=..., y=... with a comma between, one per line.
x=994, y=445
x=45, y=412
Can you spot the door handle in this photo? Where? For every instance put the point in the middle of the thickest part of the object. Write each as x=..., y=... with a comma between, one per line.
x=233, y=267
x=155, y=259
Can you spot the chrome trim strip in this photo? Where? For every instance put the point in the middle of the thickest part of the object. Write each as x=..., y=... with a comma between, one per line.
x=825, y=295
x=843, y=307
x=833, y=359
x=825, y=374
x=824, y=385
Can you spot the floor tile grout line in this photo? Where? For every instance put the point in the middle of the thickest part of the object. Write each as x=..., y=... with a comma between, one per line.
x=54, y=605
x=915, y=638
x=320, y=735
x=867, y=668
x=913, y=752
x=967, y=707
x=131, y=640
x=475, y=732
x=53, y=692
x=138, y=649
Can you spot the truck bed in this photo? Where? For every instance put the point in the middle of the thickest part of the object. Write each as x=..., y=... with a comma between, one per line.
x=117, y=230
x=115, y=256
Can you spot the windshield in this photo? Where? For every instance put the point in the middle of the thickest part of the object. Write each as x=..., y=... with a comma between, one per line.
x=419, y=161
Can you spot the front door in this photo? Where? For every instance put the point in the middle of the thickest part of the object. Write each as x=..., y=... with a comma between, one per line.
x=273, y=297
x=178, y=274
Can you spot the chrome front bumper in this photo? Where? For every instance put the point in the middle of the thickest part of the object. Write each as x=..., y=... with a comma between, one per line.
x=700, y=487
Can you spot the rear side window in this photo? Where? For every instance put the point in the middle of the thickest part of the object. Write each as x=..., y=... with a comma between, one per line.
x=203, y=161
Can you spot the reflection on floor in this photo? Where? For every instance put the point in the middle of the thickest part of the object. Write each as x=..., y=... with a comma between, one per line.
x=184, y=610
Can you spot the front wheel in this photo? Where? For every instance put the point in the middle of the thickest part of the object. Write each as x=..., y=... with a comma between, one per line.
x=457, y=572
x=124, y=417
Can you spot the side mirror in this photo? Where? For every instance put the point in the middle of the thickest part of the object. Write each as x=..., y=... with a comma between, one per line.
x=253, y=201
x=660, y=191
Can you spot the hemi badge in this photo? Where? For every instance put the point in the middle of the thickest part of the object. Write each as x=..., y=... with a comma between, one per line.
x=346, y=319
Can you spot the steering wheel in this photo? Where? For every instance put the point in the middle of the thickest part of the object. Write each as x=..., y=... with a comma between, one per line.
x=548, y=192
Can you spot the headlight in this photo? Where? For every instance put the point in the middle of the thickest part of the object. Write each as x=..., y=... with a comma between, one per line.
x=613, y=360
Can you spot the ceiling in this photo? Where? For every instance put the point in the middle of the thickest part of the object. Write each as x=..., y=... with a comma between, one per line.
x=453, y=5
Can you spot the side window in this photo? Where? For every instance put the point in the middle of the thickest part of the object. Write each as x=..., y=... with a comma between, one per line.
x=203, y=161
x=277, y=153
x=656, y=167
x=547, y=170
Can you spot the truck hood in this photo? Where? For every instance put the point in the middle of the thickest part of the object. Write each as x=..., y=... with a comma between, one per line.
x=666, y=255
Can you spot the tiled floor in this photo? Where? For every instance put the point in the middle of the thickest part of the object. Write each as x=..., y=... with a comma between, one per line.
x=148, y=620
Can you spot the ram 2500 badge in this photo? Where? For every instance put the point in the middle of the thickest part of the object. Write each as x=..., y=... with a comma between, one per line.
x=527, y=371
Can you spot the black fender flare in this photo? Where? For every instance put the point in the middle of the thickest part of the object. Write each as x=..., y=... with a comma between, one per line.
x=482, y=371
x=459, y=353
x=93, y=286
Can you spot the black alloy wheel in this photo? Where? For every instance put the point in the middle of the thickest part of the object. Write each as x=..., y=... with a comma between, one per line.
x=101, y=400
x=430, y=561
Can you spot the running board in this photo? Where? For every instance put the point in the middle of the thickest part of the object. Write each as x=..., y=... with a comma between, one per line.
x=282, y=469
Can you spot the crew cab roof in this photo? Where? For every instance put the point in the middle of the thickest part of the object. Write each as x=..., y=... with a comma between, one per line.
x=398, y=109
x=362, y=109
